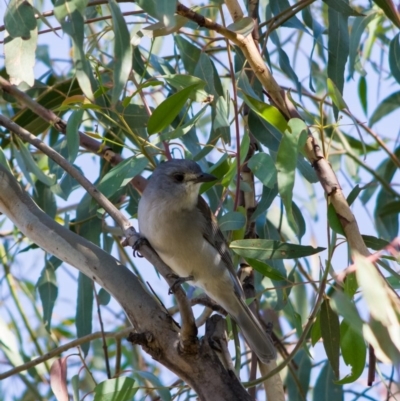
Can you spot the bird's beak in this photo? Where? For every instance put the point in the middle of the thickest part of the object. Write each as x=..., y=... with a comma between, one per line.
x=204, y=177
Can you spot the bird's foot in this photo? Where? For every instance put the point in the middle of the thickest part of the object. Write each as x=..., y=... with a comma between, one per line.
x=137, y=245
x=178, y=281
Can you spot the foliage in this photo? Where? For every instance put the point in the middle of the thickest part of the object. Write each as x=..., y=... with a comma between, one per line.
x=149, y=83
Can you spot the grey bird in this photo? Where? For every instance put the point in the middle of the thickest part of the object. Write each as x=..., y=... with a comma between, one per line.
x=181, y=228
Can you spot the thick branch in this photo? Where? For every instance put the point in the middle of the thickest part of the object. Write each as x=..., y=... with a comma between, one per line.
x=143, y=311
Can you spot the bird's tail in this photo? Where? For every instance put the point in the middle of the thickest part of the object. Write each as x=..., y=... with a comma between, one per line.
x=258, y=339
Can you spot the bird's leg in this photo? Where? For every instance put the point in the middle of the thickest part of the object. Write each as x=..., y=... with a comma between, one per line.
x=178, y=281
x=137, y=245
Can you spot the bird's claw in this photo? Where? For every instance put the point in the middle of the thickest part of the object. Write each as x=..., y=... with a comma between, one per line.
x=178, y=281
x=137, y=245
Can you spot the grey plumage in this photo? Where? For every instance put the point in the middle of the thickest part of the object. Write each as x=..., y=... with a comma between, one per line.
x=184, y=232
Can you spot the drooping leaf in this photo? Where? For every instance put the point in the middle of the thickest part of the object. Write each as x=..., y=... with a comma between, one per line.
x=263, y=167
x=69, y=15
x=394, y=57
x=325, y=387
x=72, y=134
x=19, y=19
x=166, y=112
x=358, y=28
x=354, y=352
x=189, y=53
x=269, y=249
x=338, y=48
x=330, y=331
x=32, y=166
x=84, y=310
x=163, y=10
x=48, y=290
x=58, y=379
x=19, y=56
x=122, y=51
x=342, y=7
x=286, y=160
x=303, y=375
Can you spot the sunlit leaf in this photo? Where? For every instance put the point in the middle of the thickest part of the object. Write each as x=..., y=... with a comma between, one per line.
x=166, y=112
x=269, y=249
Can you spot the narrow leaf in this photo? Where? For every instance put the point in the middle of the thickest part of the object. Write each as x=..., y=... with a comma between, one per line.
x=330, y=331
x=270, y=249
x=122, y=51
x=166, y=112
x=84, y=308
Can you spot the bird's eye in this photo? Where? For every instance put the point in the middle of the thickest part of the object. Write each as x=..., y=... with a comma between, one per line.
x=179, y=177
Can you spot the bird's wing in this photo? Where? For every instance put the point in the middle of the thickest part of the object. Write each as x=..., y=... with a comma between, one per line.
x=213, y=235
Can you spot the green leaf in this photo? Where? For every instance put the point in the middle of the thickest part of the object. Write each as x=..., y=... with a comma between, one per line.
x=48, y=291
x=163, y=10
x=315, y=332
x=354, y=352
x=185, y=128
x=269, y=113
x=270, y=249
x=160, y=29
x=330, y=332
x=232, y=221
x=390, y=10
x=104, y=297
x=163, y=391
x=189, y=53
x=122, y=51
x=325, y=387
x=166, y=112
x=303, y=374
x=333, y=220
x=3, y=160
x=342, y=7
x=243, y=26
x=74, y=121
x=286, y=161
x=69, y=15
x=266, y=270
x=390, y=208
x=19, y=57
x=362, y=94
x=389, y=104
x=338, y=48
x=33, y=167
x=353, y=194
x=119, y=389
x=335, y=95
x=51, y=99
x=394, y=57
x=263, y=167
x=121, y=175
x=358, y=28
x=84, y=310
x=345, y=307
x=45, y=199
x=19, y=19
